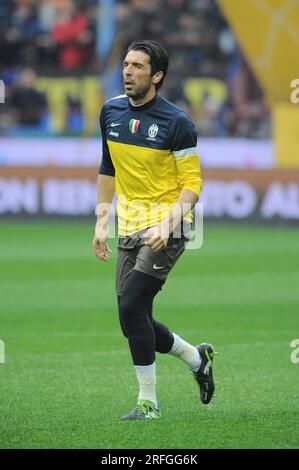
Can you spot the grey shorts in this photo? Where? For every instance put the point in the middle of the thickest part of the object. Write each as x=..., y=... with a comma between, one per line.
x=134, y=254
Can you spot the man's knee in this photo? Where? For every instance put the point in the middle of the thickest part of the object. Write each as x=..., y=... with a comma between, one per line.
x=123, y=327
x=127, y=306
x=135, y=302
x=130, y=314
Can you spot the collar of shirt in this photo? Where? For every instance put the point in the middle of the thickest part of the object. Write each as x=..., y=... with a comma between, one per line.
x=144, y=106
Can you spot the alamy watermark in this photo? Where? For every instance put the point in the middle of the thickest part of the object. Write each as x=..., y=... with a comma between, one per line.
x=134, y=215
x=294, y=97
x=2, y=352
x=295, y=353
x=2, y=92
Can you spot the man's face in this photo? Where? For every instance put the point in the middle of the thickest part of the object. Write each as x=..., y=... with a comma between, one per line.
x=137, y=74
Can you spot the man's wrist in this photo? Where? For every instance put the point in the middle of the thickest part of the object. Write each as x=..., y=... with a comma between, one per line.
x=102, y=209
x=165, y=227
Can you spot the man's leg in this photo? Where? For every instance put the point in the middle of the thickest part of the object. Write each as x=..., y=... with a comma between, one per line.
x=135, y=300
x=170, y=343
x=198, y=358
x=164, y=337
x=167, y=342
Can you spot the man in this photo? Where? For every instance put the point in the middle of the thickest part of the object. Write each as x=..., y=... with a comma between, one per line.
x=150, y=160
x=28, y=104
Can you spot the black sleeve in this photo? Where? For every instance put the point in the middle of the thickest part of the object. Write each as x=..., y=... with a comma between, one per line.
x=183, y=134
x=106, y=167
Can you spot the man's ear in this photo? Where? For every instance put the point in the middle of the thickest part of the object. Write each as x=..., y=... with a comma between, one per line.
x=157, y=77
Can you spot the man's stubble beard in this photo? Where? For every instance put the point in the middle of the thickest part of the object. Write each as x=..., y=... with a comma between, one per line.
x=139, y=94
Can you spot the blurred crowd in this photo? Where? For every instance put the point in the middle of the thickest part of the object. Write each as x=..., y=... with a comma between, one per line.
x=47, y=34
x=208, y=75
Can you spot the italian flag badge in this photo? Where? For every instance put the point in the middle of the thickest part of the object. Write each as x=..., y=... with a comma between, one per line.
x=133, y=125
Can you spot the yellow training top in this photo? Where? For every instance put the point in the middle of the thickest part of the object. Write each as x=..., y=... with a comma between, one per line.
x=151, y=150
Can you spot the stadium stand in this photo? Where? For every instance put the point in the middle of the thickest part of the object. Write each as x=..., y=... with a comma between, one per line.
x=65, y=56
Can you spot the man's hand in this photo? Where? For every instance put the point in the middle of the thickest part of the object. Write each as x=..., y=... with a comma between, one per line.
x=99, y=243
x=157, y=237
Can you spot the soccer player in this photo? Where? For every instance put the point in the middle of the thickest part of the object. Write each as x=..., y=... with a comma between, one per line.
x=150, y=160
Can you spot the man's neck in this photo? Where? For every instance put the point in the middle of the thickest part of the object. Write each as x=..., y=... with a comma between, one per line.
x=148, y=97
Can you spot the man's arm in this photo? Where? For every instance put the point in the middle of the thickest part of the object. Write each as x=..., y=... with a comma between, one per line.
x=106, y=189
x=157, y=237
x=184, y=140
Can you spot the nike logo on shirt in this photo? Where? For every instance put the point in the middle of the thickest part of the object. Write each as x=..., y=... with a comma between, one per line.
x=114, y=124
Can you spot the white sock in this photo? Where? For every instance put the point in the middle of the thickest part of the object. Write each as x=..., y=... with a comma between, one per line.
x=146, y=376
x=186, y=352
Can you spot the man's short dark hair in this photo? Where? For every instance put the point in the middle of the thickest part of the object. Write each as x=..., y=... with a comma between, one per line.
x=158, y=56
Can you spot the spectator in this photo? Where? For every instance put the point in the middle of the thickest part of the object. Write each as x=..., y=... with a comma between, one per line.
x=19, y=37
x=72, y=34
x=47, y=48
x=28, y=104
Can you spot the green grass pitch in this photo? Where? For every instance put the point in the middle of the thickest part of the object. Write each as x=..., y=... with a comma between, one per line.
x=68, y=376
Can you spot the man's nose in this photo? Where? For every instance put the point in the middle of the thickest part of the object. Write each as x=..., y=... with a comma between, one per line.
x=128, y=70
